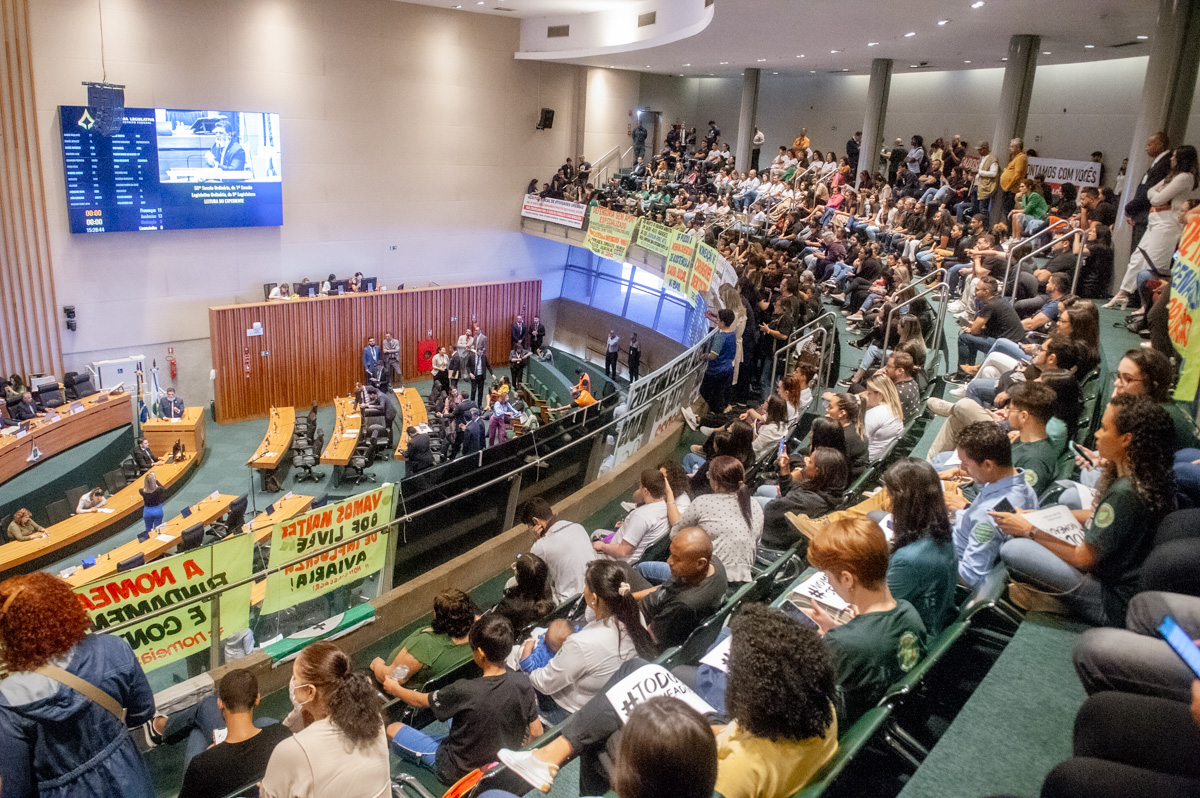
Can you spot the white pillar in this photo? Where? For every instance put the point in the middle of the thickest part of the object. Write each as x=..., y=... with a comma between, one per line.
x=877, y=99
x=747, y=118
x=1014, y=101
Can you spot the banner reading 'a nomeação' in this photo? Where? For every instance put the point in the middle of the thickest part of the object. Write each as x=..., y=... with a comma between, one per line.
x=610, y=233
x=318, y=529
x=679, y=262
x=655, y=237
x=1184, y=310
x=169, y=581
x=703, y=268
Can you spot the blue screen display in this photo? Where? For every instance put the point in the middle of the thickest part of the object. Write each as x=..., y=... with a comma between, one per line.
x=169, y=169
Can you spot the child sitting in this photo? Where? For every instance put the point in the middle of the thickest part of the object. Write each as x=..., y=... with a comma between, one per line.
x=536, y=654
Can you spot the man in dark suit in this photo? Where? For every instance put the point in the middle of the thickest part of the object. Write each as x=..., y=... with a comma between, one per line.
x=371, y=359
x=477, y=367
x=1137, y=210
x=473, y=434
x=143, y=460
x=517, y=360
x=25, y=410
x=537, y=335
x=170, y=406
x=418, y=456
x=520, y=331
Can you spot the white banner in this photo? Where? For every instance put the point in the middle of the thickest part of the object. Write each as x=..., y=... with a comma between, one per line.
x=553, y=210
x=1056, y=172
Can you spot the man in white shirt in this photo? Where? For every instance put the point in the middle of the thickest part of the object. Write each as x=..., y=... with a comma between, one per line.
x=645, y=523
x=611, y=351
x=563, y=545
x=747, y=191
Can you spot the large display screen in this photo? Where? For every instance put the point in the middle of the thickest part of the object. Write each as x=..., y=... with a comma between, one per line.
x=167, y=169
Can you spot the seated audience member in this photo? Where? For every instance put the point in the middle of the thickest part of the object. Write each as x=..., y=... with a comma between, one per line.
x=996, y=319
x=241, y=757
x=418, y=456
x=779, y=697
x=436, y=649
x=527, y=597
x=25, y=410
x=171, y=406
x=58, y=742
x=646, y=523
x=91, y=502
x=847, y=411
x=922, y=569
x=540, y=649
x=593, y=654
x=281, y=291
x=736, y=440
x=696, y=589
x=813, y=490
x=496, y=710
x=1148, y=372
x=772, y=429
x=902, y=372
x=338, y=744
x=14, y=386
x=23, y=527
x=563, y=545
x=1030, y=408
x=883, y=423
x=729, y=515
x=143, y=460
x=986, y=455
x=1096, y=578
x=886, y=637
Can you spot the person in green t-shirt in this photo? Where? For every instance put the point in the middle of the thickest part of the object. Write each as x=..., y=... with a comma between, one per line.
x=436, y=649
x=1096, y=577
x=885, y=638
x=1030, y=407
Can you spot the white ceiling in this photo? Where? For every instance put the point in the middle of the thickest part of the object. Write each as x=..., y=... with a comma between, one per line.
x=772, y=34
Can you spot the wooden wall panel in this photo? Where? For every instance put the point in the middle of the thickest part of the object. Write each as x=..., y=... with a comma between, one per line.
x=315, y=345
x=30, y=340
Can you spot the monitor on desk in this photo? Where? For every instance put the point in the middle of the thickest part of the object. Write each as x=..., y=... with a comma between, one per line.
x=308, y=291
x=339, y=287
x=369, y=284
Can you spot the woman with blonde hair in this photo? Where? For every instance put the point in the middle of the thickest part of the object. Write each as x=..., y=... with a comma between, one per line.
x=153, y=496
x=883, y=423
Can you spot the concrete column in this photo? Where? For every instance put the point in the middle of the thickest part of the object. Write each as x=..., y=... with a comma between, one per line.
x=747, y=118
x=1014, y=101
x=579, y=115
x=877, y=100
x=1167, y=91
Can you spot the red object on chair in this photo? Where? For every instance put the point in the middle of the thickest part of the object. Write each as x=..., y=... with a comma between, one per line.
x=425, y=352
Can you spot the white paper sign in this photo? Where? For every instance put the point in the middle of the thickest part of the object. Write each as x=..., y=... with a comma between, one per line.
x=165, y=538
x=719, y=657
x=1056, y=171
x=817, y=588
x=1059, y=522
x=651, y=681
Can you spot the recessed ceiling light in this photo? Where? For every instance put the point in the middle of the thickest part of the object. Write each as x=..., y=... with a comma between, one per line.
x=1143, y=38
x=647, y=66
x=680, y=74
x=1005, y=58
x=1047, y=52
x=801, y=55
x=966, y=62
x=812, y=71
x=761, y=60
x=1089, y=47
x=723, y=63
x=774, y=73
x=910, y=34
x=913, y=66
x=844, y=69
x=977, y=4
x=942, y=21
x=872, y=44
x=687, y=64
x=833, y=52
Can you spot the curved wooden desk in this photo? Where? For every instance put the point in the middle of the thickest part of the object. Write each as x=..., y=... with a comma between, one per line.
x=163, y=432
x=272, y=452
x=283, y=509
x=346, y=431
x=122, y=505
x=412, y=412
x=72, y=427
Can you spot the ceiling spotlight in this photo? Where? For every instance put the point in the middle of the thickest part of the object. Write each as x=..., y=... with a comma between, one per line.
x=913, y=66
x=942, y=21
x=812, y=71
x=801, y=55
x=687, y=64
x=723, y=63
x=480, y=3
x=844, y=69
x=966, y=62
x=1047, y=52
x=872, y=44
x=1005, y=58
x=761, y=60
x=774, y=73
x=1089, y=47
x=977, y=4
x=1143, y=38
x=910, y=34
x=833, y=52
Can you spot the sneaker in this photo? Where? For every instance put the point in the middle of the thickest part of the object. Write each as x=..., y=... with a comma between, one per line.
x=689, y=416
x=540, y=775
x=956, y=307
x=628, y=507
x=959, y=393
x=957, y=377
x=153, y=738
x=846, y=382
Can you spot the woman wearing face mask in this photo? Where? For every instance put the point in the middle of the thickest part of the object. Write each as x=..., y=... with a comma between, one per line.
x=339, y=747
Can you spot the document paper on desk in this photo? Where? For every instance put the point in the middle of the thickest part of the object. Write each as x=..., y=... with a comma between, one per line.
x=817, y=589
x=1059, y=522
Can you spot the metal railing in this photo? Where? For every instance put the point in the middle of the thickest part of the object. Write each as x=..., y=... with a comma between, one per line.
x=942, y=290
x=602, y=162
x=795, y=344
x=1008, y=259
x=1030, y=255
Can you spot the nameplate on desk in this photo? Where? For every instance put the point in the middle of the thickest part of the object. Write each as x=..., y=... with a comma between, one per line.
x=53, y=418
x=354, y=415
x=76, y=407
x=164, y=538
x=22, y=433
x=214, y=495
x=176, y=420
x=349, y=434
x=286, y=496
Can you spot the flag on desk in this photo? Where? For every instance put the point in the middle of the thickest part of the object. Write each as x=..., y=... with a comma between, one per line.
x=153, y=391
x=34, y=455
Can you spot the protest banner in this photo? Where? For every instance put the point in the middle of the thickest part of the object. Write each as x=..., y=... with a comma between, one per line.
x=1056, y=172
x=553, y=210
x=652, y=681
x=679, y=262
x=704, y=267
x=318, y=529
x=1182, y=310
x=169, y=581
x=609, y=233
x=655, y=237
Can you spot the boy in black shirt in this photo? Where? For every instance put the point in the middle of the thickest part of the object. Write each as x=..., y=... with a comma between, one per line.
x=497, y=710
x=240, y=758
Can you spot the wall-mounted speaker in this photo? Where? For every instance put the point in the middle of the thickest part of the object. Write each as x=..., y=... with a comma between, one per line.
x=546, y=120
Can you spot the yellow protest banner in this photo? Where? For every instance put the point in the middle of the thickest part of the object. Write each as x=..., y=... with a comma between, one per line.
x=167, y=582
x=704, y=266
x=655, y=237
x=1183, y=309
x=609, y=233
x=318, y=529
x=679, y=262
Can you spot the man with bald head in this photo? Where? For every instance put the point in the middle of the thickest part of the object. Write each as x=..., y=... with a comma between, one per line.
x=695, y=590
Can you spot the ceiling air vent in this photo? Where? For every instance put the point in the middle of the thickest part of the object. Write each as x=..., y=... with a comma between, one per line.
x=1126, y=44
x=558, y=31
x=647, y=19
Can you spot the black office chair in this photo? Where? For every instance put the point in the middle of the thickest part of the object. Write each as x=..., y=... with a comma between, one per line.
x=136, y=561
x=318, y=502
x=234, y=519
x=304, y=461
x=58, y=511
x=192, y=538
x=363, y=457
x=115, y=480
x=267, y=287
x=78, y=386
x=50, y=396
x=74, y=494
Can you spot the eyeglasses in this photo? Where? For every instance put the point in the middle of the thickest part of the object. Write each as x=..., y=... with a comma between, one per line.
x=1124, y=379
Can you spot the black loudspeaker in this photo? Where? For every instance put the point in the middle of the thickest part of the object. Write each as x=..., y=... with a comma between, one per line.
x=106, y=103
x=546, y=121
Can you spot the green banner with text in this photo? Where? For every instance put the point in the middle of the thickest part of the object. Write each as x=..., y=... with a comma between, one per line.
x=609, y=233
x=655, y=237
x=1183, y=311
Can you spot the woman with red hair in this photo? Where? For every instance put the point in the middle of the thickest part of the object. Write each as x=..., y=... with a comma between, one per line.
x=58, y=740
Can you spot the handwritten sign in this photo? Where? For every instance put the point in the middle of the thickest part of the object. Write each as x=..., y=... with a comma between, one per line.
x=817, y=589
x=1183, y=309
x=704, y=267
x=609, y=233
x=648, y=682
x=679, y=262
x=1056, y=172
x=553, y=210
x=719, y=656
x=655, y=237
x=1058, y=522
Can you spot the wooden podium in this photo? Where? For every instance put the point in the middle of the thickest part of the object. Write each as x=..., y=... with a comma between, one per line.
x=163, y=432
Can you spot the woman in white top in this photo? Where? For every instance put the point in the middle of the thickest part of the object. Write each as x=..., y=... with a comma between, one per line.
x=1168, y=201
x=339, y=747
x=91, y=502
x=772, y=429
x=589, y=657
x=728, y=515
x=281, y=291
x=884, y=422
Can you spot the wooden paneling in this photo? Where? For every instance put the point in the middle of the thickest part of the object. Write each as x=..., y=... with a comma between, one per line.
x=53, y=437
x=315, y=345
x=30, y=340
x=188, y=429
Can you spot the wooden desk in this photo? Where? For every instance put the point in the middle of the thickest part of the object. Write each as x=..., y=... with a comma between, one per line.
x=123, y=504
x=412, y=412
x=163, y=432
x=161, y=540
x=346, y=431
x=262, y=525
x=278, y=440
x=53, y=437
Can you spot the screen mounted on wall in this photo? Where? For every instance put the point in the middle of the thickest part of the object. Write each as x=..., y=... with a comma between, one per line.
x=169, y=169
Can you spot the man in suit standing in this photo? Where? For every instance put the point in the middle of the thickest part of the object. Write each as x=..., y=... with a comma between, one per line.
x=481, y=339
x=477, y=368
x=1137, y=210
x=371, y=357
x=143, y=460
x=517, y=359
x=537, y=335
x=635, y=358
x=391, y=358
x=473, y=434
x=171, y=406
x=418, y=456
x=25, y=410
x=519, y=331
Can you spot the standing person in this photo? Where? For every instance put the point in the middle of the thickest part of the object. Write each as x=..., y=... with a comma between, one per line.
x=757, y=142
x=635, y=358
x=986, y=180
x=716, y=388
x=418, y=456
x=563, y=545
x=153, y=496
x=391, y=357
x=519, y=332
x=518, y=358
x=639, y=135
x=454, y=369
x=171, y=406
x=1010, y=179
x=611, y=353
x=478, y=368
x=69, y=698
x=370, y=359
x=441, y=368
x=338, y=746
x=853, y=147
x=1137, y=210
x=466, y=342
x=537, y=335
x=481, y=339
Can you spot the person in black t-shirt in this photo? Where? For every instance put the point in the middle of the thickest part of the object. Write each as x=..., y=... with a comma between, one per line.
x=238, y=759
x=996, y=319
x=497, y=710
x=695, y=591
